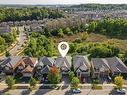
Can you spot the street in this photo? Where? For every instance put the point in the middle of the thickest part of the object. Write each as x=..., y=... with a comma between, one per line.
x=22, y=37
x=61, y=92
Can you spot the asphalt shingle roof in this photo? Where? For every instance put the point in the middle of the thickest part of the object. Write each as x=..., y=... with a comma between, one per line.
x=46, y=61
x=64, y=62
x=81, y=63
x=114, y=64
x=13, y=60
x=45, y=70
x=99, y=63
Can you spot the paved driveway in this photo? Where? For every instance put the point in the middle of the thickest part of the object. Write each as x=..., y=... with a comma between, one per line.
x=65, y=79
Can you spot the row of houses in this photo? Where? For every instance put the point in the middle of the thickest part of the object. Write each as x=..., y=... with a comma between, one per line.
x=84, y=69
x=21, y=23
x=33, y=25
x=29, y=28
x=99, y=15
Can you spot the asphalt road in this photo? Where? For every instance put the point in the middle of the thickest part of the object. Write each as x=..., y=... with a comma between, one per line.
x=61, y=92
x=22, y=37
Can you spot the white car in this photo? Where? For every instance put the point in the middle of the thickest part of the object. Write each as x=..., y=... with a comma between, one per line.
x=121, y=91
x=76, y=91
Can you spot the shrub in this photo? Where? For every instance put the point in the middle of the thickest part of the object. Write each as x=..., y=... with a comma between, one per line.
x=96, y=81
x=119, y=81
x=78, y=40
x=71, y=75
x=70, y=33
x=75, y=82
x=85, y=35
x=32, y=82
x=10, y=81
x=96, y=87
x=7, y=54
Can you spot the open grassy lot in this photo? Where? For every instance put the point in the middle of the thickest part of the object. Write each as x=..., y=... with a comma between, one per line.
x=95, y=38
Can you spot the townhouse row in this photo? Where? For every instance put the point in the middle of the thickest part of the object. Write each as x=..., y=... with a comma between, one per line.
x=83, y=67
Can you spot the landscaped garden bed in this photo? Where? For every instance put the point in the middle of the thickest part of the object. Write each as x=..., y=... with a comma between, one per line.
x=97, y=87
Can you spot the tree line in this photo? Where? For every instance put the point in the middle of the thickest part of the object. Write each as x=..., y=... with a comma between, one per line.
x=94, y=7
x=18, y=14
x=110, y=27
x=6, y=39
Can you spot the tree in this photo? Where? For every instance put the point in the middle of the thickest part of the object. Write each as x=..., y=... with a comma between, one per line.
x=92, y=26
x=9, y=37
x=54, y=75
x=75, y=82
x=7, y=54
x=71, y=75
x=10, y=81
x=47, y=32
x=125, y=58
x=2, y=48
x=40, y=45
x=60, y=33
x=73, y=48
x=32, y=82
x=84, y=35
x=2, y=44
x=100, y=51
x=50, y=48
x=103, y=50
x=68, y=31
x=12, y=14
x=2, y=41
x=119, y=81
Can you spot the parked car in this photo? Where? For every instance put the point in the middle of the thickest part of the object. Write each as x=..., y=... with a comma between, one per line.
x=76, y=91
x=121, y=91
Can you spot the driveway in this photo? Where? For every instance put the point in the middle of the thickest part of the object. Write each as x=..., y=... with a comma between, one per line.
x=65, y=79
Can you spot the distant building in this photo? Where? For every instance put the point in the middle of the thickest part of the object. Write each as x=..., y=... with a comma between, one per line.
x=5, y=29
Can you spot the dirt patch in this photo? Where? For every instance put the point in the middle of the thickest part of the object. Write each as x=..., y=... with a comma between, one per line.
x=96, y=38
